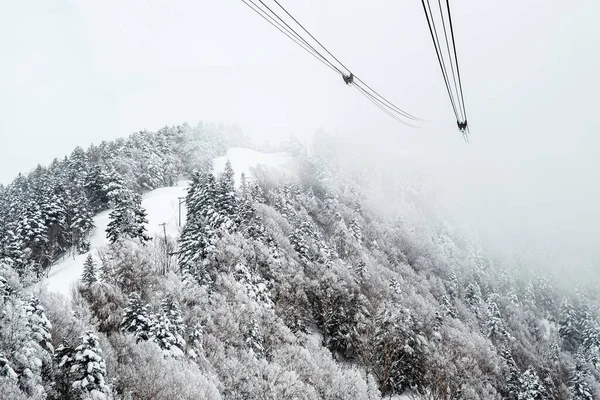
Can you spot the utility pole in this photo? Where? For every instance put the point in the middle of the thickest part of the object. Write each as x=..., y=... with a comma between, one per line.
x=181, y=199
x=164, y=225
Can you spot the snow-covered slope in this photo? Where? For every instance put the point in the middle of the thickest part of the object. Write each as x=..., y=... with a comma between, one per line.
x=247, y=161
x=162, y=206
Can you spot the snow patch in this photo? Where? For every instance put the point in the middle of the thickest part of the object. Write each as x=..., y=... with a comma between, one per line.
x=161, y=206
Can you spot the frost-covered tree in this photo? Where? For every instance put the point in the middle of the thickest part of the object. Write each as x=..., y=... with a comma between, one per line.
x=170, y=308
x=39, y=325
x=495, y=330
x=579, y=388
x=136, y=318
x=512, y=374
x=253, y=338
x=164, y=333
x=79, y=219
x=226, y=202
x=89, y=271
x=569, y=328
x=127, y=220
x=399, y=349
x=531, y=388
x=89, y=369
x=63, y=382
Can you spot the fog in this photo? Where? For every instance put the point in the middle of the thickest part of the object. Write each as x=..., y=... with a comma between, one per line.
x=73, y=73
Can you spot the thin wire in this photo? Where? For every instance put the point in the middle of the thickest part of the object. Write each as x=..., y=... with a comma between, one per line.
x=309, y=34
x=381, y=106
x=300, y=37
x=374, y=101
x=265, y=17
x=389, y=103
x=450, y=56
x=456, y=57
x=383, y=99
x=437, y=51
x=375, y=97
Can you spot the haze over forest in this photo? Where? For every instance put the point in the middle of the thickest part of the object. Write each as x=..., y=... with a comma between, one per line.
x=106, y=104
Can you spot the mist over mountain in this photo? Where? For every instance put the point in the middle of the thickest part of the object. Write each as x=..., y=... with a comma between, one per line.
x=190, y=263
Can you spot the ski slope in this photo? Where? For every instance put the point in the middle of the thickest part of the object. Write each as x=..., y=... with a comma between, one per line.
x=161, y=207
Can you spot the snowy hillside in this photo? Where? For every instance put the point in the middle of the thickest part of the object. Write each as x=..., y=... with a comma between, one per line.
x=162, y=207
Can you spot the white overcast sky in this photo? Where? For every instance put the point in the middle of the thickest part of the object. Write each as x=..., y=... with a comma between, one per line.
x=77, y=72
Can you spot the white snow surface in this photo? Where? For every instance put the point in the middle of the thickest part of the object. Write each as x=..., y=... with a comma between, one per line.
x=162, y=206
x=244, y=160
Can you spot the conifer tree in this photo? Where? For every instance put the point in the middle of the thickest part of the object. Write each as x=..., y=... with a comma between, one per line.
x=531, y=386
x=253, y=338
x=64, y=357
x=96, y=187
x=164, y=333
x=136, y=318
x=569, y=331
x=171, y=309
x=578, y=385
x=512, y=375
x=127, y=220
x=89, y=271
x=225, y=211
x=39, y=325
x=89, y=368
x=494, y=319
x=79, y=220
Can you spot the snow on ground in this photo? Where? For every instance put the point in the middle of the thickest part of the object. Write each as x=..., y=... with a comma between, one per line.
x=161, y=206
x=248, y=160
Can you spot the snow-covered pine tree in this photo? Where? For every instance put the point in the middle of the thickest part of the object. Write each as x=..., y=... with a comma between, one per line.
x=198, y=238
x=89, y=368
x=531, y=388
x=89, y=271
x=579, y=387
x=254, y=339
x=53, y=199
x=33, y=237
x=164, y=333
x=79, y=219
x=39, y=325
x=127, y=220
x=96, y=188
x=495, y=329
x=78, y=165
x=140, y=220
x=62, y=387
x=569, y=331
x=119, y=220
x=473, y=296
x=136, y=318
x=512, y=374
x=170, y=308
